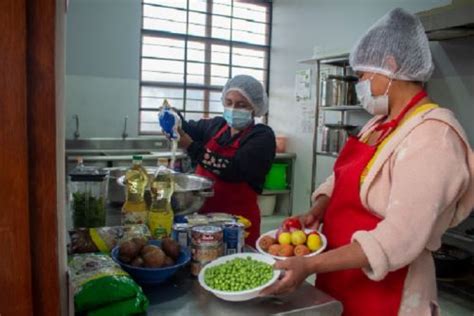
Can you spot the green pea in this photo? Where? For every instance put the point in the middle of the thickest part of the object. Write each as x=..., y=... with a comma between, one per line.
x=238, y=275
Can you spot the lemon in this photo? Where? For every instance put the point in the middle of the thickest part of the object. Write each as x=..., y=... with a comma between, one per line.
x=314, y=242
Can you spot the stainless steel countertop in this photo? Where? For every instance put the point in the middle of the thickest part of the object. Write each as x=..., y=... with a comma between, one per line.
x=89, y=155
x=182, y=295
x=95, y=155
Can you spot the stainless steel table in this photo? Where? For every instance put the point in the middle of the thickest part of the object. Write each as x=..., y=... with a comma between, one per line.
x=183, y=295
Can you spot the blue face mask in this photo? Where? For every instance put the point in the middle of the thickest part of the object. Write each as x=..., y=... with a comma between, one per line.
x=237, y=118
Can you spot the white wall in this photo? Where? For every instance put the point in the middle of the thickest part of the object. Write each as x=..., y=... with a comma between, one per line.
x=332, y=25
x=102, y=66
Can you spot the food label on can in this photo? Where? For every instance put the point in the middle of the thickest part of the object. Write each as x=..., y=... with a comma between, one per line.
x=204, y=253
x=180, y=234
x=206, y=235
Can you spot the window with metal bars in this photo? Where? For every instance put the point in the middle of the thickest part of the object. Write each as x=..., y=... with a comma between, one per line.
x=190, y=48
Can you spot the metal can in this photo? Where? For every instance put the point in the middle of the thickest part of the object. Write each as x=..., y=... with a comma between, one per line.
x=197, y=219
x=206, y=253
x=180, y=234
x=209, y=235
x=206, y=245
x=234, y=238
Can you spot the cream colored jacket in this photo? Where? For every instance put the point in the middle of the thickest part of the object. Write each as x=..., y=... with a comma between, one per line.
x=421, y=184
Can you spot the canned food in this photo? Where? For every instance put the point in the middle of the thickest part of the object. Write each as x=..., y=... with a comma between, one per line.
x=197, y=219
x=234, y=238
x=210, y=235
x=206, y=253
x=196, y=267
x=220, y=217
x=180, y=234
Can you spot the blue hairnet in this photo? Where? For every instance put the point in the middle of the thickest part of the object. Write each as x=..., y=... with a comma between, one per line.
x=395, y=46
x=251, y=89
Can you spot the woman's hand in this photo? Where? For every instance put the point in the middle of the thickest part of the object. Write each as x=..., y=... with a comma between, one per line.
x=184, y=139
x=295, y=272
x=313, y=218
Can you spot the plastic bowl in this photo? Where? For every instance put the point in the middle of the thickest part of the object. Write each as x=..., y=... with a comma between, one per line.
x=239, y=295
x=272, y=233
x=152, y=276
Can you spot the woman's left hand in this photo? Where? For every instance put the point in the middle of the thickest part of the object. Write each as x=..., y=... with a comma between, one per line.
x=295, y=272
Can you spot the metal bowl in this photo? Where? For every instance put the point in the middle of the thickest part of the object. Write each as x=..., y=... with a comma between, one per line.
x=191, y=191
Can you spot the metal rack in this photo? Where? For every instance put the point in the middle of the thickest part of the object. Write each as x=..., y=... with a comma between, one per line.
x=342, y=61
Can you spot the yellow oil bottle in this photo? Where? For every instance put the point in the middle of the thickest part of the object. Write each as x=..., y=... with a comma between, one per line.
x=135, y=210
x=160, y=217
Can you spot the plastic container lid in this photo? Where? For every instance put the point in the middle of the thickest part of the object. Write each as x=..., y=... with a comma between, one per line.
x=91, y=174
x=137, y=157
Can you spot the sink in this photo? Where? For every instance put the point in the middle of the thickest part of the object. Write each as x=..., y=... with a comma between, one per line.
x=114, y=145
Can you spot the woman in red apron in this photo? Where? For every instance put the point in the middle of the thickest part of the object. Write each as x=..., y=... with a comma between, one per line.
x=392, y=60
x=234, y=151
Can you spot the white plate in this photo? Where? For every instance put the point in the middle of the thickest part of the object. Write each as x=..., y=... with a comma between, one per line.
x=240, y=295
x=272, y=233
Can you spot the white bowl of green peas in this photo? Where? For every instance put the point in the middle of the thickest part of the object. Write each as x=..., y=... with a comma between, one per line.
x=238, y=277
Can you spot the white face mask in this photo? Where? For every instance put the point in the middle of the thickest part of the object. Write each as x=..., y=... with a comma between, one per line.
x=375, y=105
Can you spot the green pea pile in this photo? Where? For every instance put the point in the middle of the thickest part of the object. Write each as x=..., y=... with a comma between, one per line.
x=239, y=274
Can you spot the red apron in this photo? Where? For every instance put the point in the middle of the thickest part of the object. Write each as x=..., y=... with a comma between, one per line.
x=236, y=198
x=344, y=216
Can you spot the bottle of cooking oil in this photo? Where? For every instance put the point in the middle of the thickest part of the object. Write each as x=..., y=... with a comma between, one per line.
x=134, y=210
x=160, y=217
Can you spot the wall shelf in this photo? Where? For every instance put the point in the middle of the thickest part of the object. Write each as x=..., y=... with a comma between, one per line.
x=342, y=108
x=276, y=192
x=322, y=153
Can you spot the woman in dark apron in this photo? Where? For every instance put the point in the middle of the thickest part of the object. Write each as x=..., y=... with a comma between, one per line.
x=234, y=151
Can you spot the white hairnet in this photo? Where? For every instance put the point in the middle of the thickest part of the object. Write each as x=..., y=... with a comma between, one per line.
x=251, y=89
x=395, y=46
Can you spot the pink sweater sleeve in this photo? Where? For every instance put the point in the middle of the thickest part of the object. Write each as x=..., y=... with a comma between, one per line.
x=324, y=189
x=429, y=173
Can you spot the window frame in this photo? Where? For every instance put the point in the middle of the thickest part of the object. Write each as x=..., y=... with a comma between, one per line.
x=208, y=41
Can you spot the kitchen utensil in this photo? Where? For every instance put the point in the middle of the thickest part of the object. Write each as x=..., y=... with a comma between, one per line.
x=351, y=95
x=334, y=137
x=272, y=233
x=281, y=143
x=266, y=204
x=333, y=91
x=238, y=296
x=190, y=193
x=152, y=276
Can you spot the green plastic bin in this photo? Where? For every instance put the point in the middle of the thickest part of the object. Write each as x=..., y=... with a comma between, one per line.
x=276, y=177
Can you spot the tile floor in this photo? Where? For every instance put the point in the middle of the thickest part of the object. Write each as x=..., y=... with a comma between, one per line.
x=450, y=305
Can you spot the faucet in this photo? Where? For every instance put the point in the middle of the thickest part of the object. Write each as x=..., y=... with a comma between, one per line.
x=124, y=133
x=76, y=133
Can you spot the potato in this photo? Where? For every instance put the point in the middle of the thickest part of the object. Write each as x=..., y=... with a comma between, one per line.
x=171, y=248
x=148, y=248
x=168, y=262
x=138, y=262
x=140, y=242
x=128, y=250
x=154, y=258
